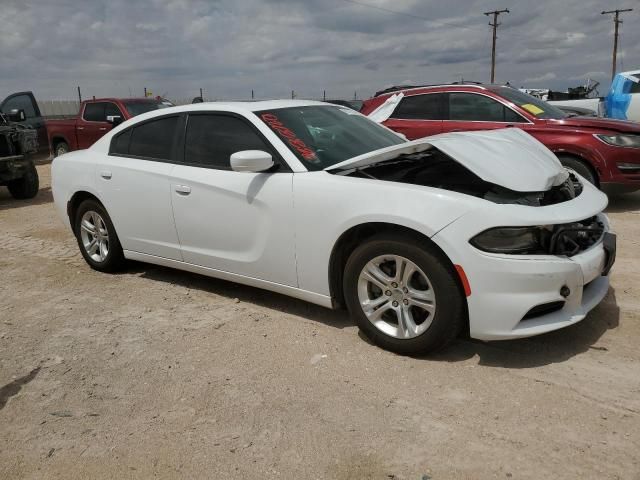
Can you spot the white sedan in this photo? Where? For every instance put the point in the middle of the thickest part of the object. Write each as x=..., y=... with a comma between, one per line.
x=484, y=232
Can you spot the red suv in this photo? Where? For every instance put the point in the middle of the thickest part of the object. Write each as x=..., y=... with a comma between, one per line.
x=604, y=151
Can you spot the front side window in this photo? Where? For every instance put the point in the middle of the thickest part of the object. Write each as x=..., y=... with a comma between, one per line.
x=212, y=139
x=154, y=139
x=20, y=102
x=94, y=112
x=111, y=110
x=534, y=106
x=478, y=108
x=421, y=107
x=321, y=136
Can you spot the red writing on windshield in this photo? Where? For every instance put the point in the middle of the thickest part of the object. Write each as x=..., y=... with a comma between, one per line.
x=277, y=126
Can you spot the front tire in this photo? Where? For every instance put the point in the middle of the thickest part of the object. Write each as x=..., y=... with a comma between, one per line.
x=404, y=294
x=97, y=238
x=27, y=186
x=579, y=166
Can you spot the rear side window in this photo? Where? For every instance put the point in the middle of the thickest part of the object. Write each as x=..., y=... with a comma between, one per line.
x=478, y=108
x=421, y=107
x=120, y=143
x=211, y=139
x=154, y=139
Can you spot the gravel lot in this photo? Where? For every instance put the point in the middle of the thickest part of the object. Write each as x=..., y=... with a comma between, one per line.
x=163, y=374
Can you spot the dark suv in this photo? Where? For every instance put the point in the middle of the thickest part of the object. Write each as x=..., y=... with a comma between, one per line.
x=20, y=121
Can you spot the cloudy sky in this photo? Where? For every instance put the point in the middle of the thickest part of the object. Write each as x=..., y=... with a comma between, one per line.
x=229, y=47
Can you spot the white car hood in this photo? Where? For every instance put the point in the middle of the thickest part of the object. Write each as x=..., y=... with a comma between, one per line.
x=508, y=157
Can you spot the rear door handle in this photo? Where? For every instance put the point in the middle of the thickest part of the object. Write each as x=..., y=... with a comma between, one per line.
x=102, y=129
x=80, y=128
x=106, y=174
x=183, y=189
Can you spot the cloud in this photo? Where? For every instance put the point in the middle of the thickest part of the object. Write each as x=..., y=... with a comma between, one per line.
x=541, y=78
x=229, y=48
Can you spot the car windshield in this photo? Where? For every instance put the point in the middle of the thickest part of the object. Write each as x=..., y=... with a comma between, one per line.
x=536, y=107
x=321, y=136
x=143, y=106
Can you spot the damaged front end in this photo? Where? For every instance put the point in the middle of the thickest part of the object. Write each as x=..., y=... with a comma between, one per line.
x=433, y=168
x=567, y=239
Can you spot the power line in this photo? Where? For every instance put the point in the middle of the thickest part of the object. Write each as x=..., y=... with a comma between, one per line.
x=495, y=24
x=616, y=23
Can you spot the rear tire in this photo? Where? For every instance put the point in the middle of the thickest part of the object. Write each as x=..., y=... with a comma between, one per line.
x=60, y=149
x=97, y=238
x=579, y=166
x=27, y=186
x=407, y=313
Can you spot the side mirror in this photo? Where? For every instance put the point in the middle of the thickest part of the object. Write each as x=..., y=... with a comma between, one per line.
x=114, y=120
x=17, y=115
x=251, y=161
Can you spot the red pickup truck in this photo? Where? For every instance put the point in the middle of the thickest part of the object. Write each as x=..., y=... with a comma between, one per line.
x=96, y=117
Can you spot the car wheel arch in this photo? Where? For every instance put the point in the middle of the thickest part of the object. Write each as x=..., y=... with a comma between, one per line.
x=580, y=158
x=75, y=201
x=354, y=236
x=56, y=140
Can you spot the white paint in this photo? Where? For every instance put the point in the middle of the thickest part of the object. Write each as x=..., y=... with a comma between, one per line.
x=277, y=230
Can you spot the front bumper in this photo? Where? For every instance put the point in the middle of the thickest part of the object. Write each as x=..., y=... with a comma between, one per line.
x=505, y=288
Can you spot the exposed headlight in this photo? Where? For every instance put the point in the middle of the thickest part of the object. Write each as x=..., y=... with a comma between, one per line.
x=621, y=140
x=508, y=240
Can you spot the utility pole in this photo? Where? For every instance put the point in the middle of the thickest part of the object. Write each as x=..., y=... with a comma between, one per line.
x=495, y=24
x=616, y=22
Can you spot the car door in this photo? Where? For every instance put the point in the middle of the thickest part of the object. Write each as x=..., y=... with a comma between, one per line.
x=473, y=111
x=418, y=116
x=93, y=124
x=27, y=102
x=133, y=184
x=238, y=222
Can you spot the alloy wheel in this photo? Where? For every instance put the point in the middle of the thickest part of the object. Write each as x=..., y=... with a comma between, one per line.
x=396, y=296
x=95, y=236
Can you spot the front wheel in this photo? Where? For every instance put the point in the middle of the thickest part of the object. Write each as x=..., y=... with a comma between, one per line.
x=579, y=166
x=97, y=237
x=27, y=186
x=404, y=295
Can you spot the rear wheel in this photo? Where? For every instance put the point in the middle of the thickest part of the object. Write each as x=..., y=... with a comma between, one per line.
x=97, y=237
x=27, y=186
x=60, y=149
x=579, y=166
x=403, y=295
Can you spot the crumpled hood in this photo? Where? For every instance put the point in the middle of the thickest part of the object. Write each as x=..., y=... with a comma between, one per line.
x=508, y=157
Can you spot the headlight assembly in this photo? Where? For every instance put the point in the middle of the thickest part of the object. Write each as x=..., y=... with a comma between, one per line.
x=513, y=240
x=620, y=140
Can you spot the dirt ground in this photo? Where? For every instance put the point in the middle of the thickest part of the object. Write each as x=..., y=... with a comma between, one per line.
x=155, y=373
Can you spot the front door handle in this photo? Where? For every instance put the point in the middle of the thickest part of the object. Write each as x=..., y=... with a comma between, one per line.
x=106, y=174
x=183, y=189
